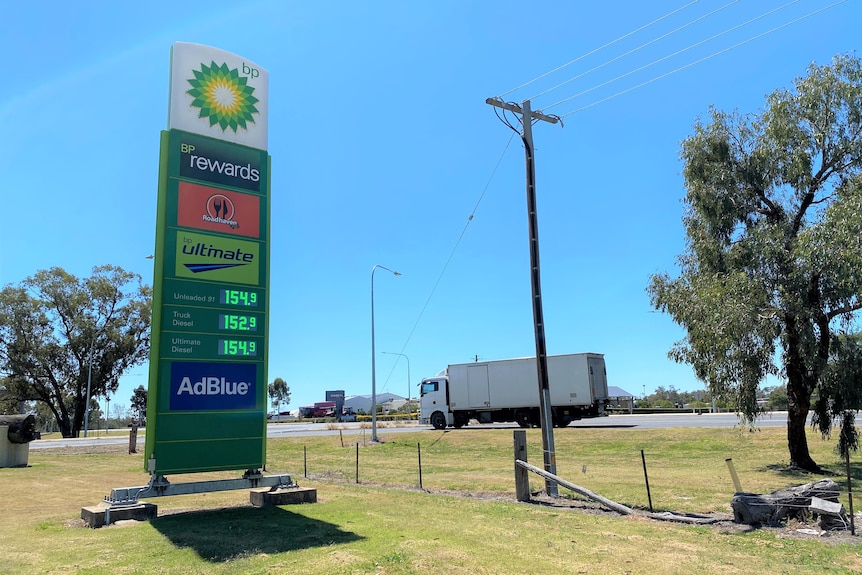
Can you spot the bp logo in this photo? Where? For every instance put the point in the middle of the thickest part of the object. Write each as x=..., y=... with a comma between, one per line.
x=224, y=96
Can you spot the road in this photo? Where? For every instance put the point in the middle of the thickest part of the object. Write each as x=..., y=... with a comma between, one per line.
x=636, y=421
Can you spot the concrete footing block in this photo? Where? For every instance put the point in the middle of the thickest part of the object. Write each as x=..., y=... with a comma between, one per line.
x=288, y=496
x=12, y=454
x=103, y=514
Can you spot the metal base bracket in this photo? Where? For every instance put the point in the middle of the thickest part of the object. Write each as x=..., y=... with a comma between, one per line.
x=159, y=486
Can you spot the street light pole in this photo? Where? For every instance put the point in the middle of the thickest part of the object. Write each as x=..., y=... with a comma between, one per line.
x=408, y=377
x=107, y=411
x=373, y=366
x=89, y=380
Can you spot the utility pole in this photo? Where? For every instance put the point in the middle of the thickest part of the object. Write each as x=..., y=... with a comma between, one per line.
x=545, y=414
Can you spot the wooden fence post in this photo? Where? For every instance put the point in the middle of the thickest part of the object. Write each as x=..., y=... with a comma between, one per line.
x=522, y=476
x=133, y=438
x=419, y=455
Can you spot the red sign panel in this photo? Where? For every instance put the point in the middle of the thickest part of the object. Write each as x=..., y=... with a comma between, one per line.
x=218, y=210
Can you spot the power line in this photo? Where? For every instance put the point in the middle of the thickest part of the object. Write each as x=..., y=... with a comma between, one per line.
x=641, y=47
x=611, y=43
x=641, y=85
x=678, y=52
x=452, y=253
x=515, y=130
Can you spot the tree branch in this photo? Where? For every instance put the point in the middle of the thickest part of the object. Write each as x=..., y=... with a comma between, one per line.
x=771, y=211
x=824, y=199
x=822, y=320
x=843, y=310
x=807, y=200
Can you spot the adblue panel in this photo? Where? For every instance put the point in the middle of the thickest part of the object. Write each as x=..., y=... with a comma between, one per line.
x=201, y=386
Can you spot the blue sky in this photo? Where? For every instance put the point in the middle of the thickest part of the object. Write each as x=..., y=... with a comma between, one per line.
x=383, y=147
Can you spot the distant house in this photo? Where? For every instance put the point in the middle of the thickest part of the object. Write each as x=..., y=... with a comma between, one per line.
x=618, y=392
x=390, y=401
x=618, y=397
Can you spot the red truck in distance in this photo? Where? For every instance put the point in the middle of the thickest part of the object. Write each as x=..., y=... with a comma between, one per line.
x=323, y=409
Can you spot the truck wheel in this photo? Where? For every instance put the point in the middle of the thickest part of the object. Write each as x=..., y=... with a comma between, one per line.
x=461, y=420
x=522, y=417
x=438, y=420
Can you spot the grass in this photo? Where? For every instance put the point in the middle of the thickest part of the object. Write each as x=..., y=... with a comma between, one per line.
x=386, y=525
x=686, y=467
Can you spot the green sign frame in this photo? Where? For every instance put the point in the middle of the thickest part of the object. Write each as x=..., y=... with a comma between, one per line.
x=207, y=397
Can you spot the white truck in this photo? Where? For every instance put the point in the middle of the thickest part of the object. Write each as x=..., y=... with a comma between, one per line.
x=508, y=390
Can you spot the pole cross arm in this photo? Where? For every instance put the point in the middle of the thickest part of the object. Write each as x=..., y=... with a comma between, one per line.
x=512, y=107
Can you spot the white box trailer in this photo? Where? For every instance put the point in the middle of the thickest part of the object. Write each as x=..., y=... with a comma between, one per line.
x=508, y=390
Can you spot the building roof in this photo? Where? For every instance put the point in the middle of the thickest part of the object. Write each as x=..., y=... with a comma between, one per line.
x=363, y=402
x=614, y=391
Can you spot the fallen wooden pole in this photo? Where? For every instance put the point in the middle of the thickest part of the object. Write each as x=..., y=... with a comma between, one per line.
x=613, y=505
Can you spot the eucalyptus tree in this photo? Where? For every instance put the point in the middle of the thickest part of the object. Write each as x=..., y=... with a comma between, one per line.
x=279, y=392
x=139, y=402
x=61, y=336
x=771, y=273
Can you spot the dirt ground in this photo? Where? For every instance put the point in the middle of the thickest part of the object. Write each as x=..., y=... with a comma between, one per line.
x=724, y=522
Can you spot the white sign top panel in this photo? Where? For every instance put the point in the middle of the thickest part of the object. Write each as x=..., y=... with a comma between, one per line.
x=218, y=94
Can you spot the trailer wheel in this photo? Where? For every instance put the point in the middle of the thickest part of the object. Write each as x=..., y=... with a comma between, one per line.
x=559, y=419
x=522, y=417
x=438, y=420
x=461, y=420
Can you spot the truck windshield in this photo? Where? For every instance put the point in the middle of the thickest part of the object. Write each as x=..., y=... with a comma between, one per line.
x=428, y=387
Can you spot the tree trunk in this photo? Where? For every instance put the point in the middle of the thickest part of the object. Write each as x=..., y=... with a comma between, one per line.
x=65, y=429
x=77, y=419
x=797, y=442
x=798, y=398
x=798, y=406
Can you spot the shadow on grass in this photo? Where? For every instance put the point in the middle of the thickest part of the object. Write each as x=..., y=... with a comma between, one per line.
x=787, y=471
x=836, y=473
x=223, y=534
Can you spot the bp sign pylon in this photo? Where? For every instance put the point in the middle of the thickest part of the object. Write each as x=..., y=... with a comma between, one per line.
x=207, y=392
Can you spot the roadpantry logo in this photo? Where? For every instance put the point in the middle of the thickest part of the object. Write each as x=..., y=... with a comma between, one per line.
x=223, y=211
x=224, y=96
x=220, y=210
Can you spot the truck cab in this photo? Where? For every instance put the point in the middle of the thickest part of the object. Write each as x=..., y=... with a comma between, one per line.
x=434, y=402
x=347, y=414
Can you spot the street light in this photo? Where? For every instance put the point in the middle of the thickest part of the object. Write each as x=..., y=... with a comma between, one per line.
x=408, y=378
x=89, y=379
x=373, y=367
